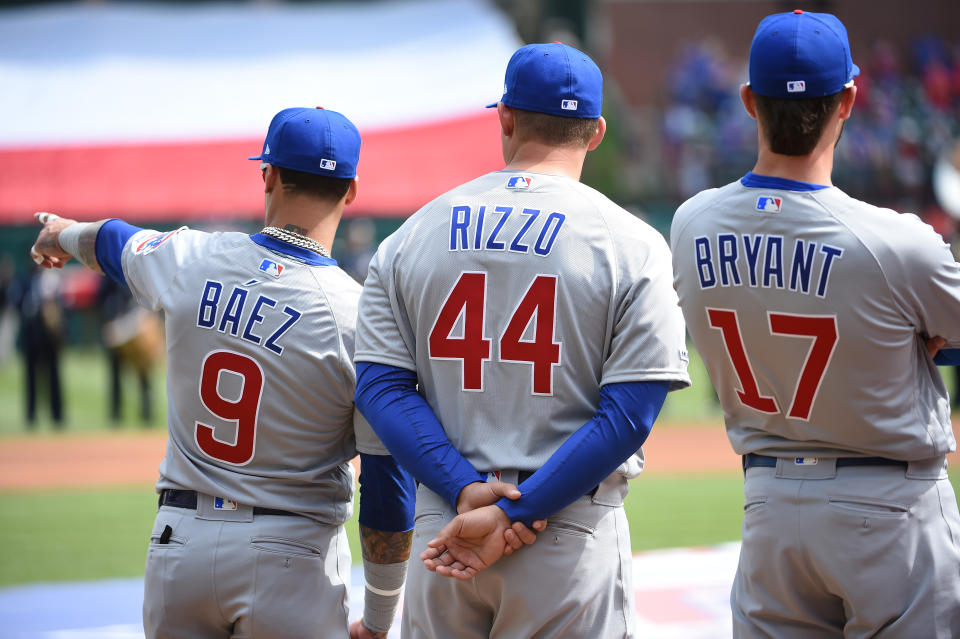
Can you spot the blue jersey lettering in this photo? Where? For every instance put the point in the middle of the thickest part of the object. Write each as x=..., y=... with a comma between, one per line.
x=234, y=309
x=773, y=262
x=459, y=223
x=829, y=254
x=727, y=256
x=271, y=342
x=207, y=315
x=704, y=262
x=492, y=243
x=552, y=226
x=256, y=318
x=515, y=245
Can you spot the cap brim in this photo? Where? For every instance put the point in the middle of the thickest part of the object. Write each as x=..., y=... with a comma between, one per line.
x=490, y=106
x=855, y=71
x=259, y=157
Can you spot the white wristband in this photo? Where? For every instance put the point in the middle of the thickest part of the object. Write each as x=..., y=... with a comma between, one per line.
x=69, y=237
x=384, y=585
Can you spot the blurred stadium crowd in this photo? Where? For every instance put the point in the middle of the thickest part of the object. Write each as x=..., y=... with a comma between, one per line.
x=906, y=116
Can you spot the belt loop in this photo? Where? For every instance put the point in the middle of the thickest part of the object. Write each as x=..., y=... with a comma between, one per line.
x=933, y=468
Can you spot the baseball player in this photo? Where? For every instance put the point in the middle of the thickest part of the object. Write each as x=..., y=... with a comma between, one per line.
x=522, y=328
x=811, y=310
x=256, y=483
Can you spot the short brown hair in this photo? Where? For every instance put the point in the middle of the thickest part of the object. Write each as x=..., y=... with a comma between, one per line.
x=794, y=127
x=554, y=130
x=318, y=186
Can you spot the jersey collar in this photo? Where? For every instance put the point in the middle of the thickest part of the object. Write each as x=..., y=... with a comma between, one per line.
x=301, y=254
x=753, y=181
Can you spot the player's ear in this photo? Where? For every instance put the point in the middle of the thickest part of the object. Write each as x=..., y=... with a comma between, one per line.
x=507, y=121
x=271, y=178
x=598, y=135
x=351, y=192
x=847, y=99
x=746, y=96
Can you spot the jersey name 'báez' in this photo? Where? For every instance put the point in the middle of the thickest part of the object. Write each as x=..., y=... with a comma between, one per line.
x=237, y=353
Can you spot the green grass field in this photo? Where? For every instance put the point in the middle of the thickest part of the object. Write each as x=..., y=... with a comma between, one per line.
x=70, y=535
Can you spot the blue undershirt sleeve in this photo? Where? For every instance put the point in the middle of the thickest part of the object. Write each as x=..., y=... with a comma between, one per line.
x=387, y=494
x=111, y=238
x=617, y=430
x=947, y=357
x=387, y=396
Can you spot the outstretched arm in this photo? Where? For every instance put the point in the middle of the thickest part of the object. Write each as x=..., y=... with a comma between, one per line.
x=97, y=245
x=387, y=495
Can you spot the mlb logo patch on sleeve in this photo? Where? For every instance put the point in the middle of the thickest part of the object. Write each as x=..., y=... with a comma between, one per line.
x=769, y=203
x=150, y=244
x=271, y=268
x=519, y=182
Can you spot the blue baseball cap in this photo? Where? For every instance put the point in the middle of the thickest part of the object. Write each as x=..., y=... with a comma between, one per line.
x=554, y=79
x=313, y=141
x=801, y=55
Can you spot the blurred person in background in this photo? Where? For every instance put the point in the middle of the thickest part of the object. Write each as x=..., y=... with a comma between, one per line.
x=8, y=314
x=36, y=296
x=133, y=339
x=361, y=246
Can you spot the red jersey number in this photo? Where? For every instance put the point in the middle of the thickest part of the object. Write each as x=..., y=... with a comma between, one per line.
x=822, y=329
x=243, y=410
x=468, y=299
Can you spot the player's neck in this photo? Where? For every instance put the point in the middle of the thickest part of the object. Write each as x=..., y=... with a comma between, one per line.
x=815, y=168
x=552, y=160
x=316, y=220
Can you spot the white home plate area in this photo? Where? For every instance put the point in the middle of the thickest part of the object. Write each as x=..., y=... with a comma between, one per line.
x=681, y=594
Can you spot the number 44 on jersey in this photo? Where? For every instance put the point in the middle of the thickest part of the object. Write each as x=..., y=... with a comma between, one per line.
x=468, y=299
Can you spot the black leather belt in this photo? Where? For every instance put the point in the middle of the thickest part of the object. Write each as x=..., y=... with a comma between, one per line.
x=188, y=499
x=752, y=460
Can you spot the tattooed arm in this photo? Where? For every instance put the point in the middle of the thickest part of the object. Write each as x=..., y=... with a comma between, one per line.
x=387, y=494
x=60, y=238
x=383, y=552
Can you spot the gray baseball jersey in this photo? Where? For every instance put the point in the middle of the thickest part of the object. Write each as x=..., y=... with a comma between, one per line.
x=260, y=387
x=515, y=297
x=260, y=377
x=809, y=308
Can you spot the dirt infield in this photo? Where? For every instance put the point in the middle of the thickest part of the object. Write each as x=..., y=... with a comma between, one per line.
x=81, y=461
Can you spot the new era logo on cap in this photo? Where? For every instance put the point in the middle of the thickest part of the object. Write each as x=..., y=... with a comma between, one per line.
x=329, y=165
x=519, y=182
x=796, y=86
x=568, y=105
x=769, y=203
